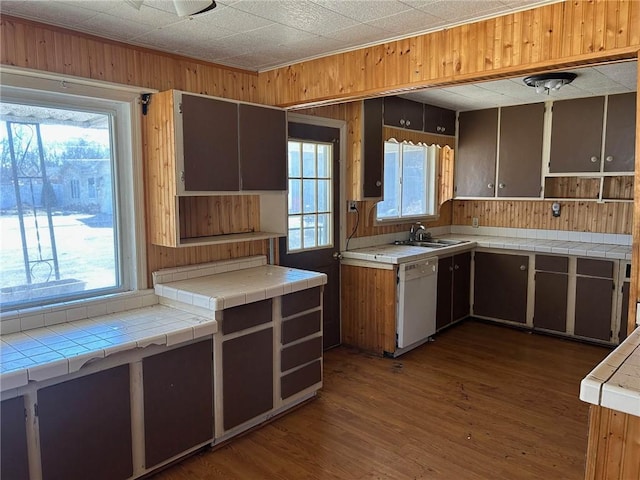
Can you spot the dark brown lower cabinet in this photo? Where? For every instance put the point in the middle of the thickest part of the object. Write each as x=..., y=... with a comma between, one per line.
x=178, y=401
x=551, y=293
x=454, y=287
x=550, y=307
x=500, y=286
x=14, y=461
x=594, y=297
x=85, y=427
x=247, y=377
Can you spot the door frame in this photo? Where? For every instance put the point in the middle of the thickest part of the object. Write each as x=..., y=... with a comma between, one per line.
x=342, y=126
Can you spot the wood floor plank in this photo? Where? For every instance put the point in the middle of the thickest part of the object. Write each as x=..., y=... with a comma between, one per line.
x=480, y=402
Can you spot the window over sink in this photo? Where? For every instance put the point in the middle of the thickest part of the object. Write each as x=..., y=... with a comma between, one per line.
x=409, y=181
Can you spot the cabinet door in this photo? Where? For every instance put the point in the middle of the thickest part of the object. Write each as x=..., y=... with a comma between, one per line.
x=85, y=427
x=476, y=156
x=461, y=286
x=576, y=135
x=13, y=440
x=178, y=401
x=210, y=144
x=247, y=377
x=594, y=297
x=520, y=170
x=500, y=286
x=372, y=148
x=263, y=148
x=550, y=306
x=440, y=121
x=619, y=144
x=403, y=113
x=444, y=294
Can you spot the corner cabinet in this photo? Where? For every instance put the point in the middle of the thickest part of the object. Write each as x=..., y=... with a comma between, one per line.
x=206, y=158
x=372, y=148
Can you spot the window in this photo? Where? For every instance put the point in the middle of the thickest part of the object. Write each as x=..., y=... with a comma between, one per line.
x=310, y=218
x=409, y=181
x=75, y=188
x=66, y=189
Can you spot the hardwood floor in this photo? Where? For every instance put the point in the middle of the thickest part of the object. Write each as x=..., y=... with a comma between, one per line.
x=480, y=402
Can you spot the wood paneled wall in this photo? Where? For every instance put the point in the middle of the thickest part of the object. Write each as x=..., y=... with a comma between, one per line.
x=614, y=443
x=558, y=35
x=576, y=216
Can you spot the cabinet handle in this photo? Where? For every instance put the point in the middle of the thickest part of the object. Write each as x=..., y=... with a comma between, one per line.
x=182, y=176
x=609, y=158
x=402, y=121
x=451, y=269
x=490, y=185
x=408, y=122
x=594, y=159
x=378, y=183
x=501, y=185
x=442, y=129
x=456, y=267
x=523, y=267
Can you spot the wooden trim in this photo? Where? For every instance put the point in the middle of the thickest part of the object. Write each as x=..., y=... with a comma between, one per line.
x=634, y=292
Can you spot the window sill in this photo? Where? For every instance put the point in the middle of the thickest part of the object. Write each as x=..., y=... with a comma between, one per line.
x=35, y=317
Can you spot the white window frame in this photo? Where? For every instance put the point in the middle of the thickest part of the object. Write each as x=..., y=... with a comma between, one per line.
x=59, y=91
x=432, y=183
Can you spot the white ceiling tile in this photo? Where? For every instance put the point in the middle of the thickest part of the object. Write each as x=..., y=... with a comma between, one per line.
x=147, y=15
x=56, y=13
x=108, y=26
x=358, y=34
x=459, y=10
x=365, y=10
x=407, y=22
x=231, y=19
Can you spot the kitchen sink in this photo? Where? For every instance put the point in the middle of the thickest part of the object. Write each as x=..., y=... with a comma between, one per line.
x=431, y=243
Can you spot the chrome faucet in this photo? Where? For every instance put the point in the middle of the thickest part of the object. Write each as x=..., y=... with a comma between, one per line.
x=417, y=232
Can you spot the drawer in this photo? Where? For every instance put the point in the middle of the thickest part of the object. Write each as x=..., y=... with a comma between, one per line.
x=246, y=316
x=300, y=301
x=300, y=353
x=595, y=268
x=303, y=378
x=550, y=263
x=300, y=327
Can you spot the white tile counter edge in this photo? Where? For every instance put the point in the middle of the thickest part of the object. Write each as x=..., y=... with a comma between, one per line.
x=615, y=382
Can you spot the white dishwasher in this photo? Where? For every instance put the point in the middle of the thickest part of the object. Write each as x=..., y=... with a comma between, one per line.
x=416, y=316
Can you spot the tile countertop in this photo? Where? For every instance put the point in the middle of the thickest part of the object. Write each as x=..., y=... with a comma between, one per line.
x=231, y=289
x=615, y=382
x=48, y=352
x=394, y=254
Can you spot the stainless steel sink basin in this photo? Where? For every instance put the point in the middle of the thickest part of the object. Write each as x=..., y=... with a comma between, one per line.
x=432, y=243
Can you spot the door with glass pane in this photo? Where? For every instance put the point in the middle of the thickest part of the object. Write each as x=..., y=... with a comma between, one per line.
x=313, y=200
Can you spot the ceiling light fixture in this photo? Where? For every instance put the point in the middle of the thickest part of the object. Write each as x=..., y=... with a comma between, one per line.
x=186, y=8
x=545, y=82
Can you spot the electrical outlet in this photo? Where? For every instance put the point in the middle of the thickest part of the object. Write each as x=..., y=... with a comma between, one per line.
x=474, y=222
x=352, y=206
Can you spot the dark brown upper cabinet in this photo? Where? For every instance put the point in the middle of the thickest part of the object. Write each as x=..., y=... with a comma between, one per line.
x=476, y=157
x=372, y=148
x=520, y=163
x=209, y=144
x=262, y=148
x=576, y=135
x=619, y=144
x=403, y=113
x=440, y=121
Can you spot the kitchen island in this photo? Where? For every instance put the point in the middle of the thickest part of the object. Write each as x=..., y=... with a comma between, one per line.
x=613, y=390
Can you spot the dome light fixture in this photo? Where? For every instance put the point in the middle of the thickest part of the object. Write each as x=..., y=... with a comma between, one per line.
x=546, y=82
